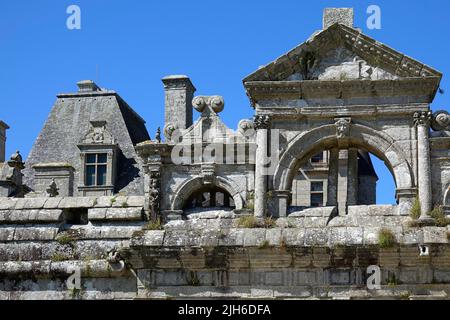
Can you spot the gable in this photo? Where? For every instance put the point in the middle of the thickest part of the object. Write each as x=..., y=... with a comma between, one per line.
x=337, y=53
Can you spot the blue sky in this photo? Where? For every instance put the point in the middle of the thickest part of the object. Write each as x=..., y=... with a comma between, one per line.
x=128, y=46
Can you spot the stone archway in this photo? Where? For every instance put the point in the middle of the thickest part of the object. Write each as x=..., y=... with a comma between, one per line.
x=446, y=201
x=191, y=186
x=307, y=144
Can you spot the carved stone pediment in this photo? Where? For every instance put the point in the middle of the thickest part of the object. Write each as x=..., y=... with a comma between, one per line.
x=98, y=134
x=340, y=52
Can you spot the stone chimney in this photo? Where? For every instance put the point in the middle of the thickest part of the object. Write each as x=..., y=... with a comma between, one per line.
x=179, y=92
x=3, y=128
x=331, y=16
x=87, y=86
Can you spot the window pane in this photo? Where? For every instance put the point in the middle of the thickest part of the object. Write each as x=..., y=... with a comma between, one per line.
x=317, y=200
x=101, y=158
x=316, y=186
x=90, y=158
x=101, y=175
x=317, y=158
x=90, y=175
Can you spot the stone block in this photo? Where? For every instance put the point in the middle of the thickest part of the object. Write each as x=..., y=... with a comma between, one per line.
x=254, y=237
x=293, y=237
x=273, y=236
x=435, y=235
x=234, y=237
x=316, y=237
x=127, y=214
x=52, y=203
x=97, y=214
x=35, y=233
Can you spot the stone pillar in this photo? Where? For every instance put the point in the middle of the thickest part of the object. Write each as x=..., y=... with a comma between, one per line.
x=262, y=124
x=343, y=182
x=333, y=175
x=352, y=180
x=3, y=128
x=422, y=122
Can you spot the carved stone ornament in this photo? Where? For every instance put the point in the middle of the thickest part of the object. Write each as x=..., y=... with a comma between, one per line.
x=169, y=130
x=246, y=127
x=52, y=190
x=262, y=122
x=215, y=104
x=154, y=194
x=98, y=134
x=441, y=121
x=422, y=118
x=208, y=172
x=342, y=127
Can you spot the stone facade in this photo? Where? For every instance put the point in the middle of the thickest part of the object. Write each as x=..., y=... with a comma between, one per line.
x=281, y=207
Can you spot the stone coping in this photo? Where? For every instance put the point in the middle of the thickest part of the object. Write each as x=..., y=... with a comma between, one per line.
x=71, y=202
x=44, y=268
x=209, y=233
x=52, y=165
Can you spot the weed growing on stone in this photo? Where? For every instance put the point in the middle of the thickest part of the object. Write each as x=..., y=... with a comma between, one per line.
x=386, y=238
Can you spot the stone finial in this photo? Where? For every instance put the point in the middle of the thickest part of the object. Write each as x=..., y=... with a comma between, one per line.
x=87, y=85
x=214, y=103
x=52, y=190
x=344, y=16
x=158, y=135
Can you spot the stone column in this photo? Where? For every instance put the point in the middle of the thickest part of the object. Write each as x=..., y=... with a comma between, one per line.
x=352, y=180
x=333, y=172
x=343, y=182
x=262, y=124
x=422, y=122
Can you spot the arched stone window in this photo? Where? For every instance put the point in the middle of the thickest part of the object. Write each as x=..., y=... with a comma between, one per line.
x=209, y=197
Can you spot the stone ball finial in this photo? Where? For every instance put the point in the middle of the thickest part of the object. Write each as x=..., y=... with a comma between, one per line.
x=214, y=103
x=217, y=103
x=199, y=103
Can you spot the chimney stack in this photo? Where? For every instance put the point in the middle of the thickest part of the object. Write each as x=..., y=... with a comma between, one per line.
x=3, y=128
x=343, y=16
x=179, y=92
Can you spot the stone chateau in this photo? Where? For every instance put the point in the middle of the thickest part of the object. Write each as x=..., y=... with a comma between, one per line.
x=283, y=206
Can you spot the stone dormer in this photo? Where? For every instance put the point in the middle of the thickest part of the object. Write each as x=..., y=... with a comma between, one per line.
x=80, y=123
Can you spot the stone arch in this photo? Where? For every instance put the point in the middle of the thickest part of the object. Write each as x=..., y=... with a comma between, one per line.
x=446, y=201
x=190, y=186
x=305, y=145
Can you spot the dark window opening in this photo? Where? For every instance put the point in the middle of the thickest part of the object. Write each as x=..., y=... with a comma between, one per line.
x=318, y=158
x=210, y=197
x=317, y=194
x=76, y=216
x=95, y=173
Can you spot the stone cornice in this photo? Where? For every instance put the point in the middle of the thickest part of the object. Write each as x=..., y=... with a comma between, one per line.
x=335, y=111
x=315, y=89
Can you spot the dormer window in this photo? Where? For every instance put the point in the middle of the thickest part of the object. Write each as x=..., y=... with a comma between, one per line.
x=96, y=169
x=98, y=152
